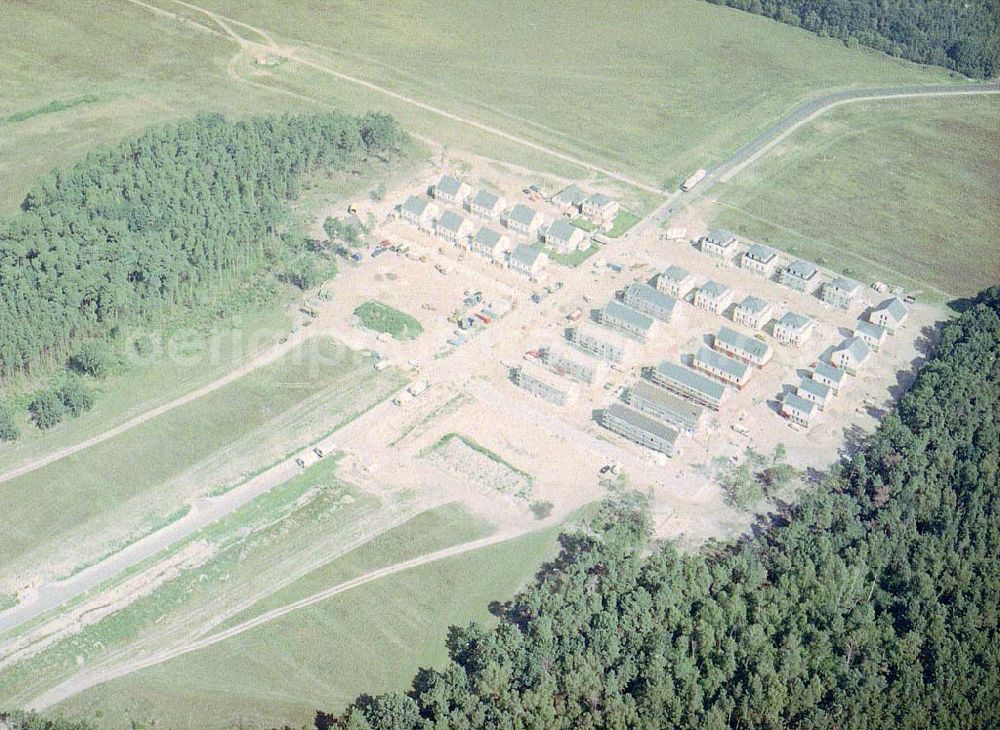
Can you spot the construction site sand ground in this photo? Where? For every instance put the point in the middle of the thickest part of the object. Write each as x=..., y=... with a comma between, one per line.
x=396, y=454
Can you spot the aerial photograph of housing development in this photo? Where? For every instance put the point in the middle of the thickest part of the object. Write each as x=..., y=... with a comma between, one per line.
x=571, y=364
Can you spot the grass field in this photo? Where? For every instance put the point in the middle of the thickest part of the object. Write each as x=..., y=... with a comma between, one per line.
x=907, y=192
x=656, y=91
x=372, y=638
x=380, y=317
x=143, y=474
x=146, y=381
x=657, y=110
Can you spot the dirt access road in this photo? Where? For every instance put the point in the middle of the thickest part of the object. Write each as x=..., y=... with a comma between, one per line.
x=94, y=677
x=51, y=596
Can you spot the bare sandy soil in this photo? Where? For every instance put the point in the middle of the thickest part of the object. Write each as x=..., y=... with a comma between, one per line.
x=389, y=449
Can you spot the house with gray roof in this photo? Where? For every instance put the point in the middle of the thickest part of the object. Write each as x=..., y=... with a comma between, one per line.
x=689, y=384
x=753, y=312
x=544, y=384
x=740, y=347
x=850, y=355
x=487, y=205
x=600, y=342
x=829, y=376
x=890, y=314
x=453, y=227
x=490, y=244
x=793, y=329
x=815, y=391
x=873, y=335
x=572, y=363
x=797, y=409
x=665, y=406
x=524, y=220
x=800, y=275
x=759, y=259
x=601, y=209
x=649, y=301
x=569, y=197
x=719, y=366
x=630, y=322
x=842, y=293
x=527, y=261
x=640, y=428
x=452, y=190
x=720, y=244
x=714, y=297
x=419, y=212
x=675, y=281
x=564, y=237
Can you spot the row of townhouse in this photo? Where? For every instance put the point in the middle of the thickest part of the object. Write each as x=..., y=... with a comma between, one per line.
x=752, y=312
x=814, y=393
x=641, y=428
x=485, y=241
x=546, y=385
x=520, y=220
x=800, y=275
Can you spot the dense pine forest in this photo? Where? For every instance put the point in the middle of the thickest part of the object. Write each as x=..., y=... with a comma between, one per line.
x=963, y=35
x=161, y=222
x=874, y=603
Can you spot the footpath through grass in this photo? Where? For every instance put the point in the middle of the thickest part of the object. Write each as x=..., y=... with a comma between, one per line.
x=370, y=638
x=656, y=92
x=903, y=191
x=380, y=317
x=135, y=478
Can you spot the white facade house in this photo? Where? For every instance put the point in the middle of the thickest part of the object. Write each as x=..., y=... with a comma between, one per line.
x=564, y=237
x=527, y=261
x=675, y=281
x=850, y=355
x=815, y=391
x=649, y=301
x=891, y=314
x=545, y=384
x=689, y=384
x=713, y=297
x=601, y=209
x=487, y=205
x=873, y=335
x=600, y=342
x=569, y=198
x=719, y=243
x=452, y=190
x=572, y=363
x=721, y=367
x=419, y=212
x=630, y=322
x=759, y=259
x=640, y=428
x=740, y=347
x=841, y=293
x=753, y=312
x=800, y=275
x=829, y=376
x=798, y=410
x=490, y=244
x=524, y=220
x=453, y=227
x=793, y=329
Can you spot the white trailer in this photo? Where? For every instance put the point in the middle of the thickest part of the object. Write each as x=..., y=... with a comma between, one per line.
x=693, y=180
